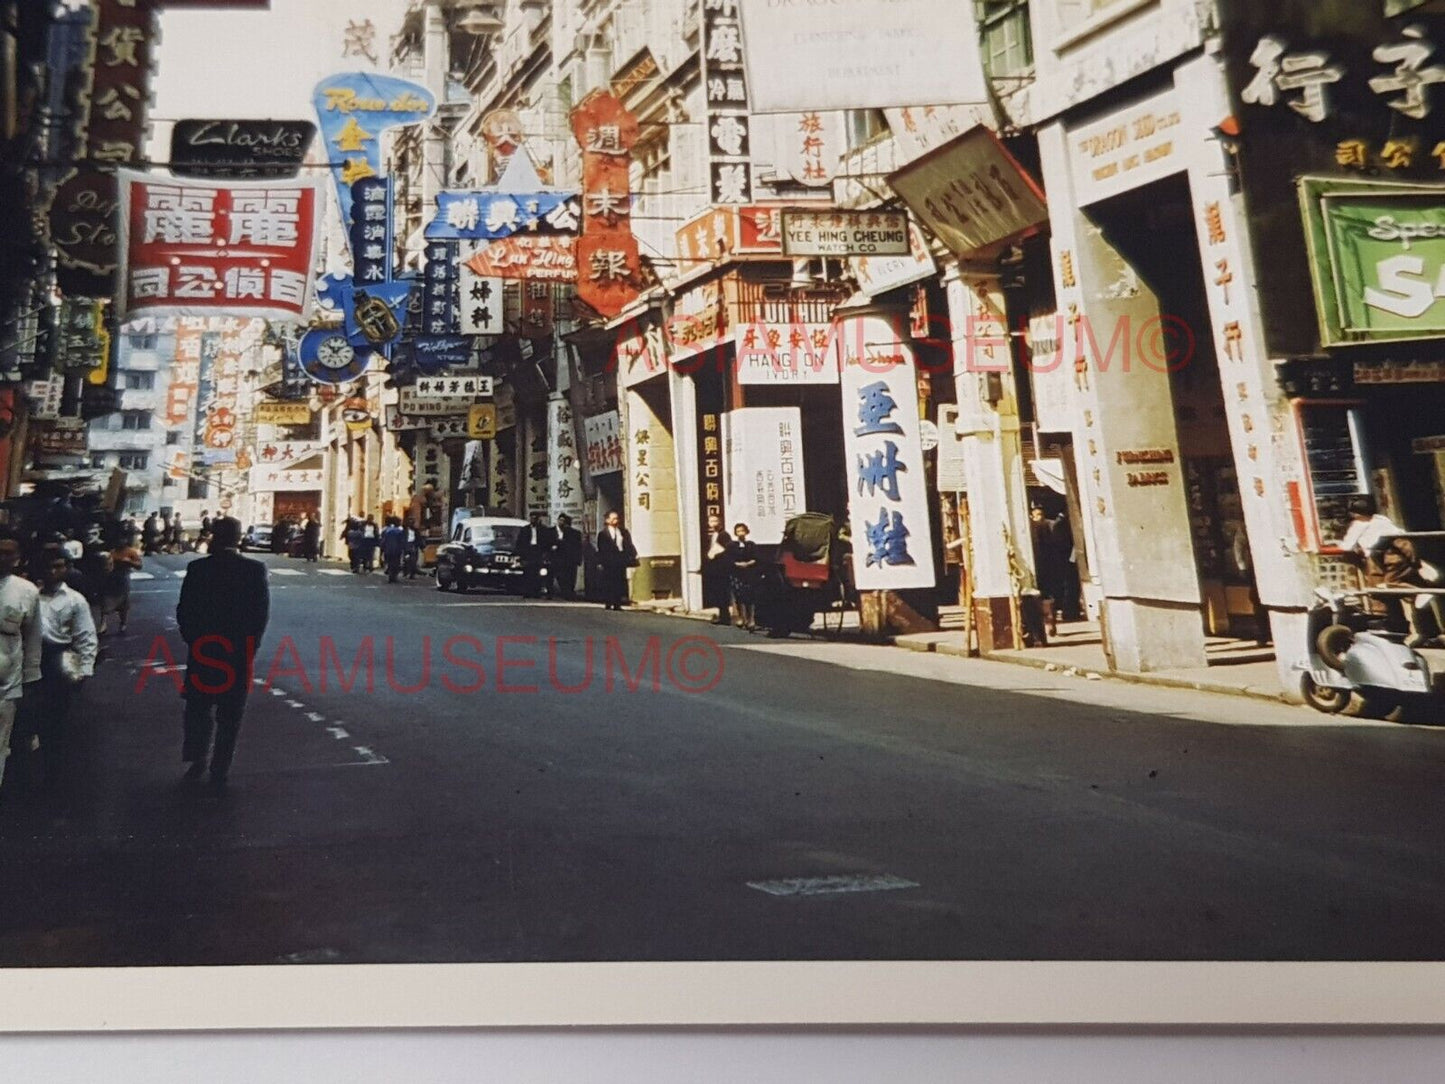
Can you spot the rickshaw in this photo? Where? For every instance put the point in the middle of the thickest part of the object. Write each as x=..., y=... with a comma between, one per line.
x=812, y=575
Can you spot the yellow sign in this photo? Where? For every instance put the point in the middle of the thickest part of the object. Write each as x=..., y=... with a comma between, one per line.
x=278, y=413
x=482, y=421
x=100, y=376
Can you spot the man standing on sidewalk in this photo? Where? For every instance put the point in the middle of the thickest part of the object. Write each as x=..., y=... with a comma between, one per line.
x=19, y=639
x=222, y=613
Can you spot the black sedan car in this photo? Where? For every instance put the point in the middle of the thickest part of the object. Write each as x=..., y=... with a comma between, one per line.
x=483, y=552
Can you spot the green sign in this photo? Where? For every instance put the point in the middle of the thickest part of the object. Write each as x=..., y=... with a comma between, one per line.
x=1377, y=256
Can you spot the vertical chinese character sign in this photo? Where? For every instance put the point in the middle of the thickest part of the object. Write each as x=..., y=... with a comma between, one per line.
x=197, y=248
x=354, y=109
x=608, y=262
x=110, y=118
x=439, y=289
x=883, y=452
x=565, y=490
x=727, y=119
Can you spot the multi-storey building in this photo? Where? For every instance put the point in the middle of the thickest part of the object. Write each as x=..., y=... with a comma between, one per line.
x=135, y=436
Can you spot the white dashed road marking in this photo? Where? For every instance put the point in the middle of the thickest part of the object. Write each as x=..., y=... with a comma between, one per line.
x=825, y=886
x=369, y=757
x=142, y=576
x=179, y=574
x=315, y=717
x=338, y=732
x=335, y=572
x=287, y=572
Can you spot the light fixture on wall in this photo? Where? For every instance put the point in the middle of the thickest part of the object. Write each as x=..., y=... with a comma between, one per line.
x=481, y=21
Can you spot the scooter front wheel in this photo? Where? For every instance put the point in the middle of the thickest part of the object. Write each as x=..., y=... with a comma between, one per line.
x=1323, y=698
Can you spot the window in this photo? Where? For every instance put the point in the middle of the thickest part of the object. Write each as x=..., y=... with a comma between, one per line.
x=864, y=125
x=144, y=341
x=135, y=419
x=134, y=460
x=1073, y=14
x=1003, y=27
x=97, y=461
x=173, y=436
x=139, y=381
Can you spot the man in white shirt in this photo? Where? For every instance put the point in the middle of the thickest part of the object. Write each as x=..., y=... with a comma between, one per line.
x=67, y=657
x=19, y=640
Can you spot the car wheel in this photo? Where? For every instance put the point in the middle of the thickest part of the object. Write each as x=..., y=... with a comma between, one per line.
x=1379, y=704
x=462, y=586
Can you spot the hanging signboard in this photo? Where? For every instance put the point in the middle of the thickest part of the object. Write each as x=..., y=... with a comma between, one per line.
x=45, y=397
x=442, y=387
x=197, y=248
x=971, y=193
x=727, y=122
x=272, y=453
x=273, y=479
x=354, y=109
x=844, y=233
x=480, y=301
x=879, y=274
x=482, y=421
x=609, y=263
x=551, y=259
x=762, y=450
x=888, y=500
x=274, y=412
x=451, y=426
x=438, y=353
x=784, y=353
x=109, y=103
x=564, y=490
x=603, y=433
x=441, y=290
x=416, y=406
x=1377, y=255
x=811, y=145
x=270, y=149
x=859, y=54
x=487, y=215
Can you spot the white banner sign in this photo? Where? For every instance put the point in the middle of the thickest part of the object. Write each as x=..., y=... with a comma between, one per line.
x=275, y=453
x=763, y=457
x=879, y=274
x=604, y=443
x=270, y=479
x=861, y=54
x=1052, y=377
x=442, y=387
x=45, y=397
x=396, y=421
x=481, y=298
x=888, y=502
x=785, y=354
x=564, y=491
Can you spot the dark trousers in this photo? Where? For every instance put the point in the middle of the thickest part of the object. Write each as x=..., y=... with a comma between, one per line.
x=354, y=553
x=45, y=712
x=565, y=578
x=393, y=567
x=199, y=726
x=409, y=563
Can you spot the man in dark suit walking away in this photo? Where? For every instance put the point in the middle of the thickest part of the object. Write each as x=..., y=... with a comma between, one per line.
x=566, y=557
x=615, y=555
x=535, y=545
x=222, y=613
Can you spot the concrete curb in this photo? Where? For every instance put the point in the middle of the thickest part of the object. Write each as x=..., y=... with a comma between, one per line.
x=1275, y=696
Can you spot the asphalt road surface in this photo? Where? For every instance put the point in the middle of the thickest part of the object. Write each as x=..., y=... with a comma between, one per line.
x=809, y=801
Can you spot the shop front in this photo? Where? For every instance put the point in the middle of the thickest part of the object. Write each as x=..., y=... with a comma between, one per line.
x=1179, y=433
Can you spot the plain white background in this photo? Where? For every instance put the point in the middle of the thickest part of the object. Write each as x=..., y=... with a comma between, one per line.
x=1024, y=1057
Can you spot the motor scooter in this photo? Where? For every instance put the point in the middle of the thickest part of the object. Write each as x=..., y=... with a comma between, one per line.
x=1352, y=654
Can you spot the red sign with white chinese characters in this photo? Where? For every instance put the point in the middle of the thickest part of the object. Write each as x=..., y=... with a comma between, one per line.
x=609, y=265
x=194, y=248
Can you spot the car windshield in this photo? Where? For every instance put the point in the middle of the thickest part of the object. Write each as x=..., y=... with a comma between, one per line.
x=495, y=537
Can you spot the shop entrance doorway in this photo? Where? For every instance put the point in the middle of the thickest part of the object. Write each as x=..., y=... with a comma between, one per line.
x=1152, y=229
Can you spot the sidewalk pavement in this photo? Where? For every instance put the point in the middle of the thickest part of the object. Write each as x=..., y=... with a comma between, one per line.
x=1236, y=668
